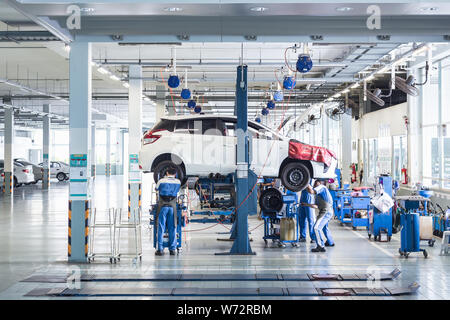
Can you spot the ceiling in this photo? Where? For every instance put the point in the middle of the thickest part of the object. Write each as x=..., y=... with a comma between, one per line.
x=207, y=39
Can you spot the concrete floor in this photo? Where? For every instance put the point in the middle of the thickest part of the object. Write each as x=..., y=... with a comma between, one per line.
x=33, y=240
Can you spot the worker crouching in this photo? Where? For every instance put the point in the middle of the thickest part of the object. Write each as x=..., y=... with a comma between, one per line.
x=166, y=212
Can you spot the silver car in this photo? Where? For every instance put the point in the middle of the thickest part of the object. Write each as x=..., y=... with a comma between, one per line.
x=59, y=170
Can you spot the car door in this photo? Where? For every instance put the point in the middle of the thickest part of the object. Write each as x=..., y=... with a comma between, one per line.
x=266, y=149
x=228, y=163
x=208, y=146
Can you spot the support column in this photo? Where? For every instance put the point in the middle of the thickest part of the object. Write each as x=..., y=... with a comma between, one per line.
x=46, y=121
x=108, y=152
x=346, y=147
x=160, y=103
x=134, y=140
x=80, y=85
x=8, y=152
x=241, y=244
x=93, y=154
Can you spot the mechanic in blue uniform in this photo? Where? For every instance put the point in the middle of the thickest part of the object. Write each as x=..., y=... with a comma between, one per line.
x=166, y=213
x=307, y=216
x=324, y=202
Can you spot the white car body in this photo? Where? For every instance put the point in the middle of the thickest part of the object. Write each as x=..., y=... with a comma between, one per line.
x=202, y=154
x=23, y=174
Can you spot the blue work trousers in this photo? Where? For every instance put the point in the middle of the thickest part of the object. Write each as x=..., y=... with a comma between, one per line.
x=321, y=229
x=165, y=219
x=306, y=220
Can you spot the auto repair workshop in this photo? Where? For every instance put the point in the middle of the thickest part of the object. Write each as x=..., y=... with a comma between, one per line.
x=208, y=150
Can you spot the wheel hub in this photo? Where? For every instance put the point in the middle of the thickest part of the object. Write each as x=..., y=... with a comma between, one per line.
x=295, y=176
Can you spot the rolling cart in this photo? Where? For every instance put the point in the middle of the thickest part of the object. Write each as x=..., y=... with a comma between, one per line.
x=411, y=209
x=357, y=205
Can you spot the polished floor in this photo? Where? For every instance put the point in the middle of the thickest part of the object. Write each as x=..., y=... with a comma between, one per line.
x=33, y=240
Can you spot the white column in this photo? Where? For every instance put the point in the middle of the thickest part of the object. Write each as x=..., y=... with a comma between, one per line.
x=79, y=130
x=108, y=152
x=46, y=122
x=93, y=151
x=8, y=152
x=134, y=140
x=160, y=102
x=346, y=147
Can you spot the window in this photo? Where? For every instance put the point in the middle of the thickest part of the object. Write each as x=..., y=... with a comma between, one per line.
x=399, y=158
x=435, y=120
x=165, y=125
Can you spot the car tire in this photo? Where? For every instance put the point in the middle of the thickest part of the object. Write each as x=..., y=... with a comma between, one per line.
x=61, y=176
x=295, y=176
x=161, y=168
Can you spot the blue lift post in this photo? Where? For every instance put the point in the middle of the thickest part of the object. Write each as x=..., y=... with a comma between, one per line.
x=241, y=244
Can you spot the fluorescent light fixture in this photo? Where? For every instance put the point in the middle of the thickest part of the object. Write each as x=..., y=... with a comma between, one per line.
x=173, y=9
x=258, y=9
x=344, y=9
x=429, y=9
x=345, y=90
x=356, y=85
x=337, y=95
x=102, y=70
x=126, y=84
x=114, y=77
x=94, y=64
x=146, y=98
x=370, y=77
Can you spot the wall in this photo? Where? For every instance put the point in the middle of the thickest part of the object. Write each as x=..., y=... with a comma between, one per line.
x=368, y=125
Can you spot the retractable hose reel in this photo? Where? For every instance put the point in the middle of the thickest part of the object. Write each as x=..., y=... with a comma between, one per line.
x=270, y=104
x=191, y=104
x=185, y=92
x=265, y=111
x=173, y=81
x=258, y=119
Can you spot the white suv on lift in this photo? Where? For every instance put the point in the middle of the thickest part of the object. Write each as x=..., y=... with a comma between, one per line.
x=198, y=145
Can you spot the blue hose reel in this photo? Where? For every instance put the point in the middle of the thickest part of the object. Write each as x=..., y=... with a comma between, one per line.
x=278, y=96
x=265, y=111
x=198, y=109
x=191, y=104
x=258, y=119
x=270, y=104
x=173, y=81
x=289, y=82
x=185, y=94
x=304, y=63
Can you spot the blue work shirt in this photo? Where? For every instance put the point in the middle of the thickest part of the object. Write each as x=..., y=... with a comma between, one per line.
x=322, y=191
x=168, y=186
x=307, y=197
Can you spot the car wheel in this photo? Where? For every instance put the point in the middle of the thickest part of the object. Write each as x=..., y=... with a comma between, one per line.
x=161, y=169
x=61, y=176
x=295, y=176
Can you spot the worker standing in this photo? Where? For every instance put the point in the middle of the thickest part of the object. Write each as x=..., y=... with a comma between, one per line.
x=307, y=217
x=166, y=213
x=324, y=202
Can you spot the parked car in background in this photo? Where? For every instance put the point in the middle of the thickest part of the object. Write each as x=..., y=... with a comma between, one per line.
x=23, y=174
x=202, y=144
x=59, y=170
x=2, y=179
x=38, y=171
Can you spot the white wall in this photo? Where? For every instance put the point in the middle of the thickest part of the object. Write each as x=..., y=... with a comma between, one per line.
x=21, y=147
x=367, y=127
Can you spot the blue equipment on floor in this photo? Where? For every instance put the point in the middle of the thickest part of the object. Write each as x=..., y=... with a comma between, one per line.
x=180, y=223
x=342, y=202
x=278, y=209
x=411, y=208
x=381, y=223
x=441, y=221
x=217, y=199
x=359, y=206
x=410, y=235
